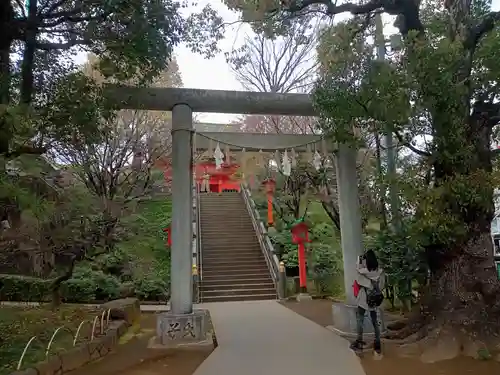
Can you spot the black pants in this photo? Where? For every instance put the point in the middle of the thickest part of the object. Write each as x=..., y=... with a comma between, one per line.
x=360, y=320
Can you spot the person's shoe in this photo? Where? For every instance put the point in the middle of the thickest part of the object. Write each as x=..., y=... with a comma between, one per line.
x=357, y=346
x=377, y=355
x=377, y=351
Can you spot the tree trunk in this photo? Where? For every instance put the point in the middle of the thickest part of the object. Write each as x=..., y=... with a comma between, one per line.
x=380, y=173
x=27, y=66
x=56, y=284
x=6, y=40
x=464, y=287
x=332, y=213
x=463, y=291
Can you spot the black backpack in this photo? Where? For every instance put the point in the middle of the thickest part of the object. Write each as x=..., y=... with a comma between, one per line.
x=374, y=297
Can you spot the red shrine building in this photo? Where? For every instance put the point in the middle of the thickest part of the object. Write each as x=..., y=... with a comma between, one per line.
x=227, y=178
x=224, y=179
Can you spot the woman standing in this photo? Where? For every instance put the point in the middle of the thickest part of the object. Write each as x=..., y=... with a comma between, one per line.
x=370, y=282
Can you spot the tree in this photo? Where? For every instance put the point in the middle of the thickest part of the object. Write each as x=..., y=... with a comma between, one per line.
x=60, y=227
x=292, y=198
x=288, y=63
x=118, y=167
x=279, y=124
x=283, y=64
x=53, y=30
x=443, y=81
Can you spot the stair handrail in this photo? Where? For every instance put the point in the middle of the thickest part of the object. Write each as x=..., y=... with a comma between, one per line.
x=265, y=243
x=199, y=260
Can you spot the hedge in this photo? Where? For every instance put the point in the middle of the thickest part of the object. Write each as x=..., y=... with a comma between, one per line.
x=31, y=289
x=82, y=288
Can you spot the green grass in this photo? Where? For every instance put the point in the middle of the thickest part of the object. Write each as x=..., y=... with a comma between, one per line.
x=146, y=241
x=19, y=324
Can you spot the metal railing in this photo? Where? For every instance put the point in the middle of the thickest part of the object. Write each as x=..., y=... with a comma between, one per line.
x=198, y=238
x=262, y=235
x=197, y=273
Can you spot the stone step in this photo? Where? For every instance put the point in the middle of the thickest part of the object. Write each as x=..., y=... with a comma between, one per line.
x=223, y=205
x=225, y=272
x=241, y=243
x=227, y=251
x=228, y=232
x=208, y=283
x=240, y=218
x=231, y=275
x=234, y=257
x=225, y=225
x=220, y=213
x=229, y=248
x=235, y=201
x=241, y=292
x=210, y=198
x=228, y=229
x=237, y=255
x=238, y=266
x=223, y=196
x=237, y=286
x=233, y=234
x=253, y=297
x=236, y=221
x=227, y=243
x=229, y=261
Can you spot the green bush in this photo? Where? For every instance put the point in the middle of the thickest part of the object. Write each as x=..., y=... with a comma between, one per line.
x=151, y=288
x=78, y=291
x=85, y=286
x=89, y=285
x=116, y=263
x=22, y=288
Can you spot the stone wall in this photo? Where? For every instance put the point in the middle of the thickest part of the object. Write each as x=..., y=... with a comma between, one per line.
x=63, y=362
x=127, y=311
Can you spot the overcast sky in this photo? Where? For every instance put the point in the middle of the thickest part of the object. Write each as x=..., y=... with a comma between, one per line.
x=215, y=73
x=198, y=72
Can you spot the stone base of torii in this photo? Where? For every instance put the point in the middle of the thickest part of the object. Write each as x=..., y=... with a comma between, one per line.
x=182, y=324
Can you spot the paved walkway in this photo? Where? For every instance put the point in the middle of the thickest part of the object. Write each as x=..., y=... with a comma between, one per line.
x=266, y=338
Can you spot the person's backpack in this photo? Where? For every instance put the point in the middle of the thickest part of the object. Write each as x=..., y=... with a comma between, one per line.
x=374, y=297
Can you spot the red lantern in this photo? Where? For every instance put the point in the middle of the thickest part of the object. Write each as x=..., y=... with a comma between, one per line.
x=270, y=186
x=168, y=230
x=300, y=235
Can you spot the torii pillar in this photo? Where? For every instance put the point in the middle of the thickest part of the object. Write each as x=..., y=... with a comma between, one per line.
x=181, y=299
x=351, y=233
x=182, y=322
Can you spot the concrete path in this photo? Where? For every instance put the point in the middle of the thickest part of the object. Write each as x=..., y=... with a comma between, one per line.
x=266, y=338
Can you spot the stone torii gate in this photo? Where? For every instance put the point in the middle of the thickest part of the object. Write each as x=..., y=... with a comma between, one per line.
x=183, y=102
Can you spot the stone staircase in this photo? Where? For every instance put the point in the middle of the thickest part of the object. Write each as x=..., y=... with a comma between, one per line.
x=233, y=265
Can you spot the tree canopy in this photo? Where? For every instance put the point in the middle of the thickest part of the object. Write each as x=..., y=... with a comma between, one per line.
x=438, y=93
